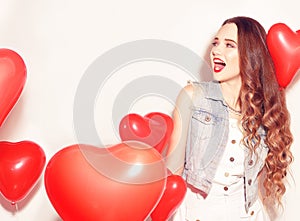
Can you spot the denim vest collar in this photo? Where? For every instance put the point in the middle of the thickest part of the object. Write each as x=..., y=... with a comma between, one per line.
x=214, y=91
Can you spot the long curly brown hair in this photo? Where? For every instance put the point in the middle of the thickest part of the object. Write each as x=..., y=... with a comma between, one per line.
x=263, y=103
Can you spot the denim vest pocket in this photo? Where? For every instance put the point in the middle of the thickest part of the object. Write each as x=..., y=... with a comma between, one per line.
x=202, y=147
x=202, y=124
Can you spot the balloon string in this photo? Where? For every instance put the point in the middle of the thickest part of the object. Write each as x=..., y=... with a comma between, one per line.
x=16, y=207
x=16, y=210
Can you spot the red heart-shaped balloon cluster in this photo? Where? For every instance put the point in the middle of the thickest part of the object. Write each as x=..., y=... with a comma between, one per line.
x=122, y=182
x=154, y=129
x=284, y=47
x=21, y=165
x=12, y=80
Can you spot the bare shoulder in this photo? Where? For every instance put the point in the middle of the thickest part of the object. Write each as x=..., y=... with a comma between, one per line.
x=188, y=90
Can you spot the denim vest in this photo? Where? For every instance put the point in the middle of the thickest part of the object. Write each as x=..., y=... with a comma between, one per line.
x=207, y=139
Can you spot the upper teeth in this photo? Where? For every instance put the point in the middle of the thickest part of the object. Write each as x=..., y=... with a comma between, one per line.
x=218, y=61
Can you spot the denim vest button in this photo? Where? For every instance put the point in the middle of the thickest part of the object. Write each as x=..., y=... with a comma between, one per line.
x=231, y=159
x=250, y=163
x=233, y=141
x=207, y=118
x=249, y=182
x=225, y=188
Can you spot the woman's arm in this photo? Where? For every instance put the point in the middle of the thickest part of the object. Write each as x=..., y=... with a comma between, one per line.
x=181, y=118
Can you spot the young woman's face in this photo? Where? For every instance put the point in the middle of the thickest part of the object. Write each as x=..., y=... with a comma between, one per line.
x=224, y=54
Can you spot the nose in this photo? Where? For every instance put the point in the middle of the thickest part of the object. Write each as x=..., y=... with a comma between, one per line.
x=215, y=50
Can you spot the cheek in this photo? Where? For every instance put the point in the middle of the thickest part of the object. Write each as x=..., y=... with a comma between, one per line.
x=235, y=61
x=211, y=59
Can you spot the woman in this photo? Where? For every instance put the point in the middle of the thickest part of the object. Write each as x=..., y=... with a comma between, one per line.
x=230, y=130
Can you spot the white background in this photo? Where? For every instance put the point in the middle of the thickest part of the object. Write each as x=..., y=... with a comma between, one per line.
x=59, y=39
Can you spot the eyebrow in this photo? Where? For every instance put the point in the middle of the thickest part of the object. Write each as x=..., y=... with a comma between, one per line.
x=226, y=39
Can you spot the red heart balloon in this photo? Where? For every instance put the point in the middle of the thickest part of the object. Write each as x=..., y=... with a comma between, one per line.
x=284, y=47
x=171, y=198
x=122, y=182
x=21, y=165
x=12, y=80
x=154, y=129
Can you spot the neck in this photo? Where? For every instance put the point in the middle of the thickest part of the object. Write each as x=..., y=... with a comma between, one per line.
x=231, y=94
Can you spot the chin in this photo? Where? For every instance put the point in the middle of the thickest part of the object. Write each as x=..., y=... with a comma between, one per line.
x=236, y=79
x=217, y=77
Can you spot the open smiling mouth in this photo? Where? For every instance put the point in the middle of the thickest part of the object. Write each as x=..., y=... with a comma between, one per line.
x=219, y=65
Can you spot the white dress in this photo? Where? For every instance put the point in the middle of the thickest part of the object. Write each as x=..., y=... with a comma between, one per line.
x=225, y=201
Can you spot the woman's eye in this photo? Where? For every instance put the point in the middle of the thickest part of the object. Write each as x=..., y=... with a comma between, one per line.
x=214, y=43
x=229, y=45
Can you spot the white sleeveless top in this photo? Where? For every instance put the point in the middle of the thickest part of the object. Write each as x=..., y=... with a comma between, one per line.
x=229, y=176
